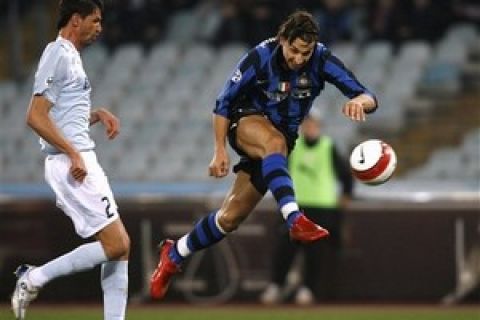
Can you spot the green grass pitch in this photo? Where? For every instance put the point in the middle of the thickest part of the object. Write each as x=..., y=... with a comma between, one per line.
x=186, y=312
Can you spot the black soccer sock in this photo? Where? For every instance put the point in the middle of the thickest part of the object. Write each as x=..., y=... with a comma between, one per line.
x=206, y=233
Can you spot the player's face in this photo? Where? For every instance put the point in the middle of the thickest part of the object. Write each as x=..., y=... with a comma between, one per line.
x=297, y=53
x=90, y=27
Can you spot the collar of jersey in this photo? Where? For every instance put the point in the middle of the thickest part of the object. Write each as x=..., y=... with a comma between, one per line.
x=67, y=42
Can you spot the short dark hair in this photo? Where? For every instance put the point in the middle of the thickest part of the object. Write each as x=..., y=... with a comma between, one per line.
x=67, y=8
x=299, y=24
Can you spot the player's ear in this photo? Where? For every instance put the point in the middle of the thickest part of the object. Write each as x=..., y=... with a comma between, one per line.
x=76, y=19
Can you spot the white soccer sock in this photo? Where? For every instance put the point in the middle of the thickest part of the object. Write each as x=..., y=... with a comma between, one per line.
x=288, y=209
x=115, y=289
x=82, y=258
x=182, y=247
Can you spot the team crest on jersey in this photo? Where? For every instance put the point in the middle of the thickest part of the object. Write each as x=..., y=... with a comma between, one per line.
x=303, y=87
x=237, y=76
x=304, y=81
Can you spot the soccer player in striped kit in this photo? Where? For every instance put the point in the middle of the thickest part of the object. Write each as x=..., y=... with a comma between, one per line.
x=60, y=113
x=260, y=110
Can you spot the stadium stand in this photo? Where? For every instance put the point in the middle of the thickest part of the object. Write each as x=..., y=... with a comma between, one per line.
x=163, y=86
x=164, y=96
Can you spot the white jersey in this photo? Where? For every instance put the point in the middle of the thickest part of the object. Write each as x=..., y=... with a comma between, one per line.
x=61, y=79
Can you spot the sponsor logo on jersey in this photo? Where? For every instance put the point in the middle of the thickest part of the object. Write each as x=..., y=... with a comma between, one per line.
x=301, y=93
x=276, y=96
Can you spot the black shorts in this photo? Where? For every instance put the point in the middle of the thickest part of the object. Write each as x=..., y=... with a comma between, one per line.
x=251, y=166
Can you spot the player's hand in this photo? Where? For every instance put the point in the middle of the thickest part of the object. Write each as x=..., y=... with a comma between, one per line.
x=111, y=123
x=77, y=168
x=220, y=164
x=354, y=110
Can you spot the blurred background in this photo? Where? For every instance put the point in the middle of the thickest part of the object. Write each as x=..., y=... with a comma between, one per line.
x=160, y=65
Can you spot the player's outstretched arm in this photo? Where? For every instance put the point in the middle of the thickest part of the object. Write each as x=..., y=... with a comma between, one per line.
x=111, y=122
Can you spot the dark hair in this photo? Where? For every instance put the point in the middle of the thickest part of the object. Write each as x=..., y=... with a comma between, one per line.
x=299, y=24
x=68, y=8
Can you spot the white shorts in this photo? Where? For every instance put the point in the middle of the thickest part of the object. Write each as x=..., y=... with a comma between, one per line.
x=89, y=204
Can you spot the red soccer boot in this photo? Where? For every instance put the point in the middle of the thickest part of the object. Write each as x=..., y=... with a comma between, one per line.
x=304, y=230
x=162, y=275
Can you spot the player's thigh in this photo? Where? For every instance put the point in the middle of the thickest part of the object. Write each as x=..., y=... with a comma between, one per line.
x=239, y=202
x=89, y=204
x=257, y=136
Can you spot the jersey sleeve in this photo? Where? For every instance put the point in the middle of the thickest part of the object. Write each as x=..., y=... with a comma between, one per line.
x=51, y=73
x=243, y=76
x=336, y=73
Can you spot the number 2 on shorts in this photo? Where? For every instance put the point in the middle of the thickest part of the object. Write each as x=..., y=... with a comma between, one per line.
x=107, y=208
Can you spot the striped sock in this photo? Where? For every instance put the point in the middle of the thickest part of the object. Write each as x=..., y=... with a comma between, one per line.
x=276, y=176
x=206, y=233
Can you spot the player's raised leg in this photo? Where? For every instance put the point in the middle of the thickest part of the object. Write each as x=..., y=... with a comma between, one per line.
x=260, y=139
x=31, y=279
x=113, y=245
x=239, y=202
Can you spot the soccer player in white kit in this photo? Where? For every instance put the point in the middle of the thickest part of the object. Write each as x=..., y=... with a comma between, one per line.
x=60, y=113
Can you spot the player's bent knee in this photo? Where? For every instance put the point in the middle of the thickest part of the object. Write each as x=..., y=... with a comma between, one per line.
x=124, y=249
x=230, y=221
x=118, y=250
x=229, y=225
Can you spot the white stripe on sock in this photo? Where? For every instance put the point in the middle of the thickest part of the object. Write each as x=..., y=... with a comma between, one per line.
x=288, y=208
x=182, y=247
x=218, y=224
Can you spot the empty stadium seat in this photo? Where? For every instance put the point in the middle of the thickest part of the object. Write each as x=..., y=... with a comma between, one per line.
x=165, y=97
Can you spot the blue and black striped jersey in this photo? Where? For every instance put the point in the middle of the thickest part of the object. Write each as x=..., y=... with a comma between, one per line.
x=284, y=96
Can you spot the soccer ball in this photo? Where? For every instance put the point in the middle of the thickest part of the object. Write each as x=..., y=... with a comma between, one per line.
x=373, y=162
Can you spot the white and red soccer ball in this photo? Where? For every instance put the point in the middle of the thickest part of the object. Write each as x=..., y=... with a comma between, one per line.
x=373, y=162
